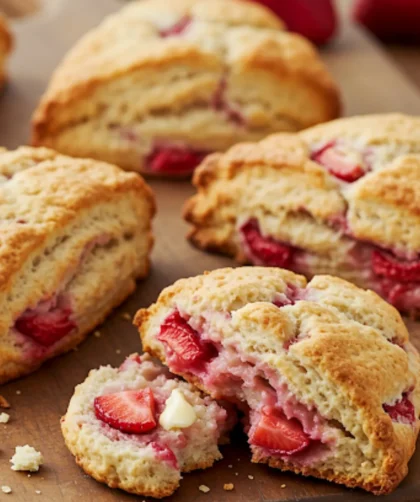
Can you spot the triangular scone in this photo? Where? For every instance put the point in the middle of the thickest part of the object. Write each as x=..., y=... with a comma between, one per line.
x=75, y=234
x=114, y=427
x=323, y=370
x=340, y=198
x=6, y=43
x=160, y=84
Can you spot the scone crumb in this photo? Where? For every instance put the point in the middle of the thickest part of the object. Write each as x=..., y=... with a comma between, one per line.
x=250, y=476
x=18, y=392
x=29, y=475
x=204, y=488
x=282, y=486
x=228, y=487
x=4, y=403
x=126, y=316
x=6, y=489
x=236, y=473
x=4, y=418
x=38, y=492
x=230, y=466
x=118, y=351
x=26, y=458
x=97, y=334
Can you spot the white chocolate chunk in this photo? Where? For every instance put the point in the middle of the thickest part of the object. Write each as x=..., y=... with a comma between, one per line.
x=178, y=413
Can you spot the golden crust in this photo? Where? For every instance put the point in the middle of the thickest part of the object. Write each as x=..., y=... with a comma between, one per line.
x=234, y=40
x=347, y=362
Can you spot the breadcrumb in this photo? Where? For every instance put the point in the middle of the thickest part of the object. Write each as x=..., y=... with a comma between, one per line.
x=282, y=486
x=126, y=316
x=204, y=488
x=118, y=351
x=26, y=458
x=250, y=476
x=38, y=492
x=4, y=418
x=230, y=466
x=228, y=487
x=97, y=334
x=18, y=392
x=6, y=489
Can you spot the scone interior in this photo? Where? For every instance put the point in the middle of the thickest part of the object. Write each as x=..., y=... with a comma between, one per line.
x=341, y=198
x=159, y=85
x=146, y=463
x=323, y=372
x=76, y=234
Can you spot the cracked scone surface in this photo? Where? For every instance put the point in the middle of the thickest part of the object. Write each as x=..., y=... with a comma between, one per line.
x=75, y=235
x=158, y=85
x=6, y=44
x=147, y=464
x=340, y=198
x=333, y=360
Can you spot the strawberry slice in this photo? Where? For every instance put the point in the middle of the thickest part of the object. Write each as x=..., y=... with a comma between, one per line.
x=387, y=265
x=265, y=250
x=177, y=29
x=165, y=454
x=402, y=411
x=174, y=160
x=184, y=341
x=46, y=328
x=342, y=162
x=131, y=411
x=278, y=434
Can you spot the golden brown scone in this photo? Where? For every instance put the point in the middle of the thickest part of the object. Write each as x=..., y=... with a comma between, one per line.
x=340, y=198
x=160, y=84
x=75, y=235
x=113, y=427
x=6, y=43
x=323, y=370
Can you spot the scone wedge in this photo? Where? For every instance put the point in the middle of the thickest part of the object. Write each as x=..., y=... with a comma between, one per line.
x=160, y=84
x=340, y=198
x=323, y=371
x=137, y=427
x=75, y=236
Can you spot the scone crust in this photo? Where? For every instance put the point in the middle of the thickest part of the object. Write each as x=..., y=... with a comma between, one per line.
x=282, y=54
x=349, y=343
x=389, y=194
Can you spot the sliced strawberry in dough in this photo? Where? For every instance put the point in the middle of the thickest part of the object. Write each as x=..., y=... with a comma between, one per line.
x=131, y=411
x=278, y=434
x=184, y=341
x=165, y=454
x=176, y=29
x=402, y=411
x=386, y=265
x=46, y=328
x=265, y=249
x=174, y=160
x=341, y=162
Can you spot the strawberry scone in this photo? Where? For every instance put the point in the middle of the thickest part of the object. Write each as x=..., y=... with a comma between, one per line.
x=160, y=84
x=75, y=236
x=323, y=371
x=341, y=198
x=137, y=427
x=6, y=43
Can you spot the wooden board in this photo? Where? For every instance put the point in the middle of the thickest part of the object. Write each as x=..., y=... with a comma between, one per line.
x=370, y=84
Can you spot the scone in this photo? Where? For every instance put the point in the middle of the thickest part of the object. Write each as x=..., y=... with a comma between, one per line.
x=6, y=42
x=160, y=84
x=323, y=371
x=75, y=235
x=341, y=198
x=137, y=427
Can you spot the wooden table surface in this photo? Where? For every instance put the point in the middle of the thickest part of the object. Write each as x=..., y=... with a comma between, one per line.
x=370, y=82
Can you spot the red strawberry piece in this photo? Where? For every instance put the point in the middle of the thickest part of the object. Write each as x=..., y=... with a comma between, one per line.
x=177, y=28
x=315, y=20
x=165, y=454
x=174, y=160
x=220, y=104
x=266, y=249
x=184, y=341
x=339, y=162
x=387, y=265
x=131, y=411
x=46, y=328
x=402, y=411
x=280, y=435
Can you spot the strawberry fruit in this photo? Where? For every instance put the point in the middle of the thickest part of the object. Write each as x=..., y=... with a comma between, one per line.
x=45, y=328
x=341, y=163
x=184, y=341
x=280, y=435
x=177, y=28
x=402, y=411
x=131, y=411
x=386, y=265
x=174, y=160
x=268, y=251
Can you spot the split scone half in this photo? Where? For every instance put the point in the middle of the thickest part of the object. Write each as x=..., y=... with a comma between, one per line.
x=75, y=235
x=6, y=43
x=160, y=84
x=341, y=198
x=137, y=427
x=323, y=371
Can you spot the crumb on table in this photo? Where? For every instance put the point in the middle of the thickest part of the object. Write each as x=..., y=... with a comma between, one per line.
x=228, y=487
x=204, y=488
